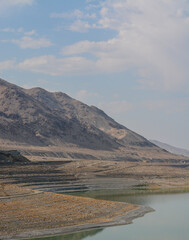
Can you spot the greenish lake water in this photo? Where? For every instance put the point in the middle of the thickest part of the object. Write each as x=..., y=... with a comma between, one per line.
x=170, y=221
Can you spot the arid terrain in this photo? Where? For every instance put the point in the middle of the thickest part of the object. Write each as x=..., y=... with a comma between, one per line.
x=58, y=174
x=37, y=122
x=25, y=212
x=52, y=145
x=29, y=206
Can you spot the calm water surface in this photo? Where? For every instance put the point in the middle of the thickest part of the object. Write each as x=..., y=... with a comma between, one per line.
x=170, y=221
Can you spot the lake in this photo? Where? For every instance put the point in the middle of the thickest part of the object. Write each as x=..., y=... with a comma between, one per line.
x=170, y=221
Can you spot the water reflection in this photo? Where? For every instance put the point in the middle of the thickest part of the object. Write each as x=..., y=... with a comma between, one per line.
x=119, y=195
x=140, y=197
x=170, y=221
x=74, y=236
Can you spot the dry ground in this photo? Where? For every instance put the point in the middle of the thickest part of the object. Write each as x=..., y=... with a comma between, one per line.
x=24, y=210
x=56, y=174
x=24, y=206
x=129, y=153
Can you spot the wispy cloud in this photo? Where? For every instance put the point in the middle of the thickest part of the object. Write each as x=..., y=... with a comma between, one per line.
x=90, y=1
x=30, y=33
x=57, y=66
x=10, y=3
x=81, y=47
x=80, y=20
x=79, y=26
x=29, y=39
x=6, y=65
x=29, y=42
x=74, y=14
x=6, y=4
x=12, y=30
x=18, y=30
x=152, y=37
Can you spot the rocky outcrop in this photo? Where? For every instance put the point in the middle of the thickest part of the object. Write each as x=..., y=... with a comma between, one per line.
x=9, y=157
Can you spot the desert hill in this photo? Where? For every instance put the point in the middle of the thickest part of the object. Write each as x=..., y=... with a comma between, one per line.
x=25, y=119
x=36, y=117
x=89, y=116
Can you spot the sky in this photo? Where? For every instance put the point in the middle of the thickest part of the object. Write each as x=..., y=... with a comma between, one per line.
x=128, y=57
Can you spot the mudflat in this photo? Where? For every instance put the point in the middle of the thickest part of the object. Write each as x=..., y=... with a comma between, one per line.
x=28, y=213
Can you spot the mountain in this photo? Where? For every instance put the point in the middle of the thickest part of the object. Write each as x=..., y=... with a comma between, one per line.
x=36, y=117
x=171, y=149
x=25, y=119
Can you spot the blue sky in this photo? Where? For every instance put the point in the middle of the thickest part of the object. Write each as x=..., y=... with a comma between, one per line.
x=127, y=57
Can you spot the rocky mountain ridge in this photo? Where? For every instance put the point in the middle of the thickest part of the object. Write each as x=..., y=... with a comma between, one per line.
x=38, y=117
x=31, y=119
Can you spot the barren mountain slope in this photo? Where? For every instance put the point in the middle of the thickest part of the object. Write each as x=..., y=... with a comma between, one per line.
x=27, y=120
x=63, y=105
x=35, y=118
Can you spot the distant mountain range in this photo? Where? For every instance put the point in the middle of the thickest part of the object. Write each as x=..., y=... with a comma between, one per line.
x=40, y=118
x=171, y=149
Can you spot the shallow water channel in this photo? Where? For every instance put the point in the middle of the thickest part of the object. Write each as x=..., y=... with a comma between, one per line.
x=170, y=221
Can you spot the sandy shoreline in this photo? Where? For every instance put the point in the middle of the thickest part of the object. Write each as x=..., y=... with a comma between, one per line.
x=27, y=213
x=29, y=208
x=119, y=220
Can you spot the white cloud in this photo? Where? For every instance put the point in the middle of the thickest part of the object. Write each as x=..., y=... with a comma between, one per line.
x=80, y=47
x=79, y=17
x=79, y=26
x=29, y=42
x=6, y=4
x=115, y=107
x=6, y=65
x=18, y=30
x=17, y=2
x=57, y=66
x=152, y=38
x=75, y=65
x=32, y=32
x=89, y=1
x=74, y=14
x=12, y=30
x=10, y=3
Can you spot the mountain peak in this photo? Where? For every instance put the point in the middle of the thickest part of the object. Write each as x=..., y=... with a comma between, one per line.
x=41, y=118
